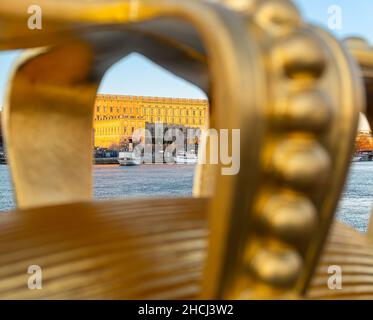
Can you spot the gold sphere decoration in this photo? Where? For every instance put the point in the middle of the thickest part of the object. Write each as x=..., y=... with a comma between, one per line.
x=301, y=162
x=308, y=111
x=279, y=267
x=277, y=17
x=301, y=57
x=290, y=217
x=244, y=6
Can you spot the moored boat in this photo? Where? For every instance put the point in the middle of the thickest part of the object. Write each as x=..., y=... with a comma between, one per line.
x=2, y=157
x=128, y=159
x=189, y=157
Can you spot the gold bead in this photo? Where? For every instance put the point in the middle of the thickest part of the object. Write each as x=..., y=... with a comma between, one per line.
x=277, y=267
x=357, y=43
x=277, y=17
x=290, y=217
x=308, y=111
x=301, y=57
x=301, y=162
x=243, y=6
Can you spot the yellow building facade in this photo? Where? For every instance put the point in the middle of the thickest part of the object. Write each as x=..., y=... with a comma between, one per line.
x=117, y=116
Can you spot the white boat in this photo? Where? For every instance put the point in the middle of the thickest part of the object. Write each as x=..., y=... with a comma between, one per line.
x=2, y=157
x=357, y=158
x=186, y=157
x=128, y=159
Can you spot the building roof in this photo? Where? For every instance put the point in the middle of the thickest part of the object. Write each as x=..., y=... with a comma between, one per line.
x=150, y=98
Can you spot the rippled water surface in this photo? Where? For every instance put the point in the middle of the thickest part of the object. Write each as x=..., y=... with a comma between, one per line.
x=176, y=180
x=6, y=194
x=114, y=181
x=143, y=181
x=357, y=200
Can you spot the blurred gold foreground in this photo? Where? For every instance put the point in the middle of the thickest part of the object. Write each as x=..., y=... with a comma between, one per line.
x=268, y=232
x=140, y=250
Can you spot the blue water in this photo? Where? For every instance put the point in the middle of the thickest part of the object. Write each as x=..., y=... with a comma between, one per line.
x=6, y=193
x=177, y=180
x=356, y=204
x=143, y=181
x=113, y=181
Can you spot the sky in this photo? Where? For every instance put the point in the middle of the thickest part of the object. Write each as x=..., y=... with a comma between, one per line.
x=136, y=75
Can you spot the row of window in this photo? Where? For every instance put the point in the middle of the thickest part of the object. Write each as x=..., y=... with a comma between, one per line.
x=115, y=117
x=128, y=130
x=101, y=98
x=151, y=111
x=174, y=120
x=114, y=130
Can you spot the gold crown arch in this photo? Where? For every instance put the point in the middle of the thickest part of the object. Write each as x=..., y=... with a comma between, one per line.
x=290, y=88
